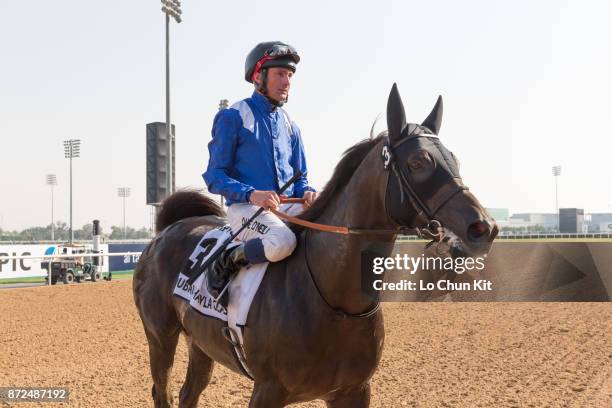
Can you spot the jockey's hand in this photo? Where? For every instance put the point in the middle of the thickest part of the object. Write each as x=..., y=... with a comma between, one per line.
x=309, y=196
x=265, y=199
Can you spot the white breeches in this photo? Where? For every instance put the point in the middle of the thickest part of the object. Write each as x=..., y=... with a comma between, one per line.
x=277, y=240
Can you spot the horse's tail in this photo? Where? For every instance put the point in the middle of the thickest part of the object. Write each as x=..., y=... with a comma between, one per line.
x=184, y=204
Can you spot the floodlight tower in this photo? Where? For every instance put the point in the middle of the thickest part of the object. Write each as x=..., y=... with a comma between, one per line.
x=124, y=192
x=171, y=8
x=51, y=182
x=223, y=104
x=556, y=171
x=72, y=149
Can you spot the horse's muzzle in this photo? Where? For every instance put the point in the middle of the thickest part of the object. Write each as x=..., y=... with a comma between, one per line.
x=482, y=231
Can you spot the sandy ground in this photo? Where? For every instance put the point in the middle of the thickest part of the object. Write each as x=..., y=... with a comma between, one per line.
x=88, y=337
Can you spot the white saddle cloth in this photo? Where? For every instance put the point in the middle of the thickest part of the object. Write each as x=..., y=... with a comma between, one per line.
x=242, y=287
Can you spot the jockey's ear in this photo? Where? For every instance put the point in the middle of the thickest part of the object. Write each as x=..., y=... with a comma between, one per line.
x=396, y=117
x=434, y=120
x=257, y=79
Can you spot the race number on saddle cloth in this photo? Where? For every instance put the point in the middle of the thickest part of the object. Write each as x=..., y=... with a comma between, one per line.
x=243, y=286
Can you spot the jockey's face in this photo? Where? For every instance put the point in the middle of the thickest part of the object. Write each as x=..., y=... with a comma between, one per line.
x=278, y=83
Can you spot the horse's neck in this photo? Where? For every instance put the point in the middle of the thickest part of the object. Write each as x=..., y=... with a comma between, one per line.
x=335, y=259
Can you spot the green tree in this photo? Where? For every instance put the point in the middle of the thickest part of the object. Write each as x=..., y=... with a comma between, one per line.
x=85, y=233
x=131, y=233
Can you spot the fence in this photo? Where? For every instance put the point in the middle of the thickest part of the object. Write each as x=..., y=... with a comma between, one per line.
x=535, y=235
x=7, y=258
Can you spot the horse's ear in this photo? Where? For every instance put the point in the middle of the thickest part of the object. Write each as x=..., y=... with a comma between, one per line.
x=396, y=117
x=434, y=120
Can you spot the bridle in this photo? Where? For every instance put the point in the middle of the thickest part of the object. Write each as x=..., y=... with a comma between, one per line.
x=433, y=229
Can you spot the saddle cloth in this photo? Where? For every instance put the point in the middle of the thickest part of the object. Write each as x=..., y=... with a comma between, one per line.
x=242, y=287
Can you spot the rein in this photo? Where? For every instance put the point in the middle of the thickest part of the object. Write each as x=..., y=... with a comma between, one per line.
x=433, y=229
x=343, y=314
x=339, y=312
x=426, y=233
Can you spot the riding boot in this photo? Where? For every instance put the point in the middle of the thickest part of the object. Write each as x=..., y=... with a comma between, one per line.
x=222, y=269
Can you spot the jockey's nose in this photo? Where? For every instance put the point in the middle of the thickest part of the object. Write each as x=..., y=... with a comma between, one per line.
x=481, y=231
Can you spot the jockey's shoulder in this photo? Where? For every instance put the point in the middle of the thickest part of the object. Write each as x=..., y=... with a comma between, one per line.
x=231, y=113
x=241, y=114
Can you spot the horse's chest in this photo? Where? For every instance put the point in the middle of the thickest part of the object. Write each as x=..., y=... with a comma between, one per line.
x=318, y=362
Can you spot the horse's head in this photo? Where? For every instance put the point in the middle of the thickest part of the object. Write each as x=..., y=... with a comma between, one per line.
x=424, y=185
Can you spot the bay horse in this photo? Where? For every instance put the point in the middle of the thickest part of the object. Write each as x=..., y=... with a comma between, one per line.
x=310, y=334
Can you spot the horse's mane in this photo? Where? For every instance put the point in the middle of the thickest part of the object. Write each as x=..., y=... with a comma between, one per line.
x=351, y=159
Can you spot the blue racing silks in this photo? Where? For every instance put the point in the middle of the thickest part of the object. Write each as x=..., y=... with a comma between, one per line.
x=254, y=146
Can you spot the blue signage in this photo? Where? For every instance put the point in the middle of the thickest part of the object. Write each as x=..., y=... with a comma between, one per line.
x=125, y=262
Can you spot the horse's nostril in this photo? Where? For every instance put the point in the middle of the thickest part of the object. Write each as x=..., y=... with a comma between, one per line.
x=494, y=231
x=477, y=230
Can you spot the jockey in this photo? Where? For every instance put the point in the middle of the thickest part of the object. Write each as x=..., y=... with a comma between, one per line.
x=255, y=149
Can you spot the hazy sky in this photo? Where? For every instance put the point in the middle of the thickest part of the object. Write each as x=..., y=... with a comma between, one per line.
x=526, y=85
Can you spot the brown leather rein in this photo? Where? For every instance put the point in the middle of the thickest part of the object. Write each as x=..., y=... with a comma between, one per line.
x=426, y=233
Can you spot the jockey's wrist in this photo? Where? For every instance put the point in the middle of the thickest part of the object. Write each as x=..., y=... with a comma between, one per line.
x=248, y=196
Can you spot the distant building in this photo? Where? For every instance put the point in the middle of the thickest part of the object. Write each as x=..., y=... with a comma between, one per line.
x=598, y=222
x=499, y=214
x=575, y=219
x=601, y=227
x=571, y=220
x=546, y=220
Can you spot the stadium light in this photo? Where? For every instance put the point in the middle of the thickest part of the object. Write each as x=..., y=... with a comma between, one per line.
x=72, y=149
x=223, y=104
x=51, y=180
x=556, y=171
x=171, y=8
x=124, y=192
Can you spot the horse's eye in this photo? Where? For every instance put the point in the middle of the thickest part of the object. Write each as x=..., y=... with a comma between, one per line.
x=419, y=161
x=415, y=165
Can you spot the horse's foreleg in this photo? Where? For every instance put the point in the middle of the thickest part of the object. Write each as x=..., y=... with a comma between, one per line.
x=161, y=354
x=199, y=373
x=268, y=395
x=356, y=398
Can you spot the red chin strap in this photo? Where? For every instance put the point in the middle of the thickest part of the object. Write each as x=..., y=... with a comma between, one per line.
x=259, y=65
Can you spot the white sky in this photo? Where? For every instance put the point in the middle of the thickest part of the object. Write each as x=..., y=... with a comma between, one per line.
x=526, y=85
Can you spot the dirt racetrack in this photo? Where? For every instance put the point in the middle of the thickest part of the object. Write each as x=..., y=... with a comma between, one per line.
x=88, y=337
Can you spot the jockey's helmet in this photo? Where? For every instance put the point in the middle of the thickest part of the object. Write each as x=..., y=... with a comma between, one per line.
x=267, y=55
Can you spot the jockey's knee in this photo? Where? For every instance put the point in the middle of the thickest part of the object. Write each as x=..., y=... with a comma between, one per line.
x=280, y=245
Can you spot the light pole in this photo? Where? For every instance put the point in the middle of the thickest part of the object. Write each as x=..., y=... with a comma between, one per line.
x=171, y=8
x=72, y=149
x=124, y=192
x=556, y=171
x=52, y=181
x=223, y=104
